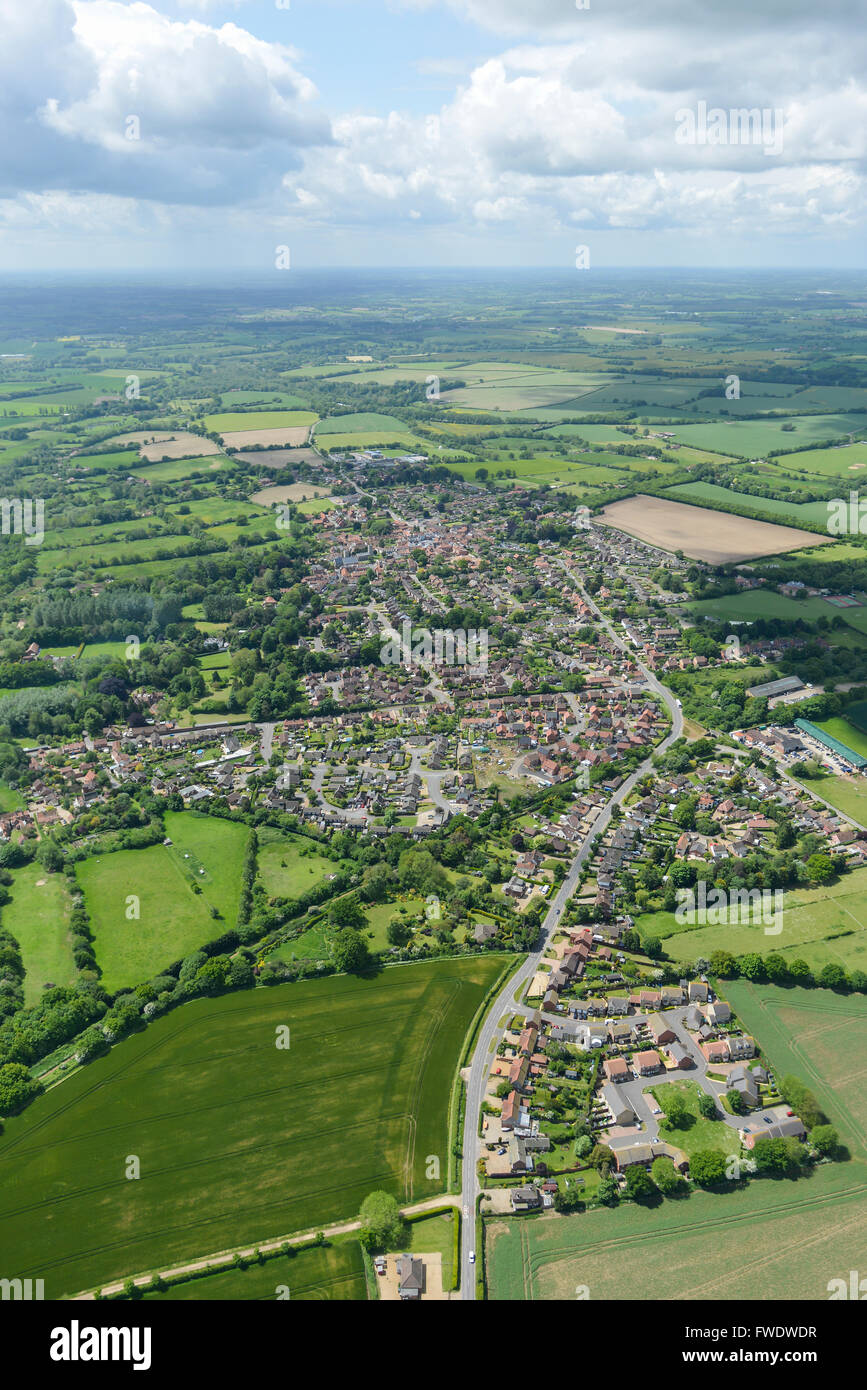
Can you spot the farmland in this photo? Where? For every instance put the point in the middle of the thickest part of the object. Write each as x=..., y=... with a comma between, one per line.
x=822, y=926
x=238, y=1140
x=332, y=1272
x=173, y=919
x=701, y=534
x=37, y=917
x=814, y=1034
x=769, y=1240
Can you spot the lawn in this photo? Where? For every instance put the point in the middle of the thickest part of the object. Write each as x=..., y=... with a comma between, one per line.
x=289, y=864
x=332, y=1271
x=239, y=1141
x=698, y=1133
x=37, y=917
x=766, y=1240
x=173, y=919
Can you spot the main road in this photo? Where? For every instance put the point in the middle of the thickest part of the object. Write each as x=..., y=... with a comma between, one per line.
x=506, y=1000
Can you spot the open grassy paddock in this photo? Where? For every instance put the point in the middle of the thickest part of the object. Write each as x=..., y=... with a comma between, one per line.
x=238, y=1140
x=173, y=919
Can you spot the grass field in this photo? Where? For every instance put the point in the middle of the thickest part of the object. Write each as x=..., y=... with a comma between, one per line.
x=767, y=603
x=173, y=920
x=822, y=926
x=238, y=1140
x=844, y=732
x=847, y=794
x=762, y=1241
x=819, y=1036
x=334, y=1271
x=37, y=917
x=289, y=865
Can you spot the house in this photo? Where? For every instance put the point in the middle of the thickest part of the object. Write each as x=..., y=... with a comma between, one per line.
x=693, y=1019
x=681, y=1058
x=646, y=1063
x=741, y=1046
x=527, y=1040
x=698, y=992
x=511, y=1116
x=717, y=1051
x=621, y=1111
x=519, y=1071
x=777, y=1122
x=660, y=1030
x=720, y=1012
x=525, y=1198
x=410, y=1277
x=616, y=1069
x=743, y=1081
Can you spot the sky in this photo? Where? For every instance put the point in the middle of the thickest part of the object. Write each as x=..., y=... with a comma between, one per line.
x=279, y=134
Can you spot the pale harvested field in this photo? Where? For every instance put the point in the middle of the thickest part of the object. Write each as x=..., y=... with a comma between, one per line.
x=291, y=492
x=715, y=537
x=293, y=435
x=180, y=445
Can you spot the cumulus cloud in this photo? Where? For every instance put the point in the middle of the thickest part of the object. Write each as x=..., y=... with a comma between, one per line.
x=133, y=103
x=569, y=127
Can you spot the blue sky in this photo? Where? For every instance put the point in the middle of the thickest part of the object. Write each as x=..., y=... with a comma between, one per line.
x=432, y=132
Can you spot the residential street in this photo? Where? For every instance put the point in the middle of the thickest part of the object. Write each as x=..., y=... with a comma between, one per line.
x=509, y=996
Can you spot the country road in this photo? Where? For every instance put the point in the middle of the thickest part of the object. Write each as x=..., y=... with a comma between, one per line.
x=505, y=1000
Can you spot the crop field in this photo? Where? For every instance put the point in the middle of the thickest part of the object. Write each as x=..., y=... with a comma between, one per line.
x=797, y=513
x=819, y=1036
x=239, y=1141
x=701, y=534
x=823, y=926
x=334, y=1271
x=37, y=916
x=763, y=1241
x=173, y=919
x=755, y=438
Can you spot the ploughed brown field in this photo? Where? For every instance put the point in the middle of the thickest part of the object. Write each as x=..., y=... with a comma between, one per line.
x=715, y=537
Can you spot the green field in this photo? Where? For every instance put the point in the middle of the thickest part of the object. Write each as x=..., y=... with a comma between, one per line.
x=332, y=1271
x=173, y=920
x=258, y=420
x=817, y=1035
x=847, y=794
x=767, y=603
x=844, y=732
x=765, y=1240
x=239, y=1141
x=822, y=926
x=698, y=1133
x=37, y=917
x=289, y=865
